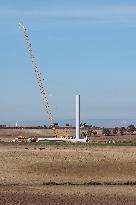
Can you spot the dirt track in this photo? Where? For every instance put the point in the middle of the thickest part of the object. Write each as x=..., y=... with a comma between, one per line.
x=28, y=174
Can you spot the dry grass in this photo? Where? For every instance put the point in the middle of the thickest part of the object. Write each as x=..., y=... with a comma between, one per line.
x=68, y=195
x=31, y=174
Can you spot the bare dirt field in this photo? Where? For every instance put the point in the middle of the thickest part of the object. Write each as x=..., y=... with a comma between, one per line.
x=10, y=134
x=67, y=174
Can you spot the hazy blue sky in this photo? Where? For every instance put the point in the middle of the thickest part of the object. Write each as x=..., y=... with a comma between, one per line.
x=82, y=46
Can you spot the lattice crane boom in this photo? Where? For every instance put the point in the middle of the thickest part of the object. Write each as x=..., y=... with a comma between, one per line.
x=38, y=78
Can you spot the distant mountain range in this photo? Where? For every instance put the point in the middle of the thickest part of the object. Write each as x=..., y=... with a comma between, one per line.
x=108, y=123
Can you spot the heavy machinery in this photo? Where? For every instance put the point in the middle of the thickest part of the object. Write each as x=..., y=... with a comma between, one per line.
x=39, y=79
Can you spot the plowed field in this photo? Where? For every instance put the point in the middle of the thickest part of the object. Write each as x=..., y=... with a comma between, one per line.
x=67, y=174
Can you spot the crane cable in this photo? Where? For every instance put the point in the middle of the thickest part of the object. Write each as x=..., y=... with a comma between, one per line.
x=39, y=79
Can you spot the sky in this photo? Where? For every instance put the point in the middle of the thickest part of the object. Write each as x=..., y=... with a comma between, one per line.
x=82, y=47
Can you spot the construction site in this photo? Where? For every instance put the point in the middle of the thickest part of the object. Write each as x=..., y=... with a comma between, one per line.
x=39, y=78
x=77, y=165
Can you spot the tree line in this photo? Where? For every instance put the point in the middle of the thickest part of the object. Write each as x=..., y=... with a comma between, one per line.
x=122, y=131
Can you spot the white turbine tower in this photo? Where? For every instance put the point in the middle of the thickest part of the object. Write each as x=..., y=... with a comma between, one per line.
x=77, y=117
x=16, y=123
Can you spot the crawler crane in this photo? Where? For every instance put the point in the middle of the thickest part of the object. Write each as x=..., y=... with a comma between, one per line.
x=39, y=79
